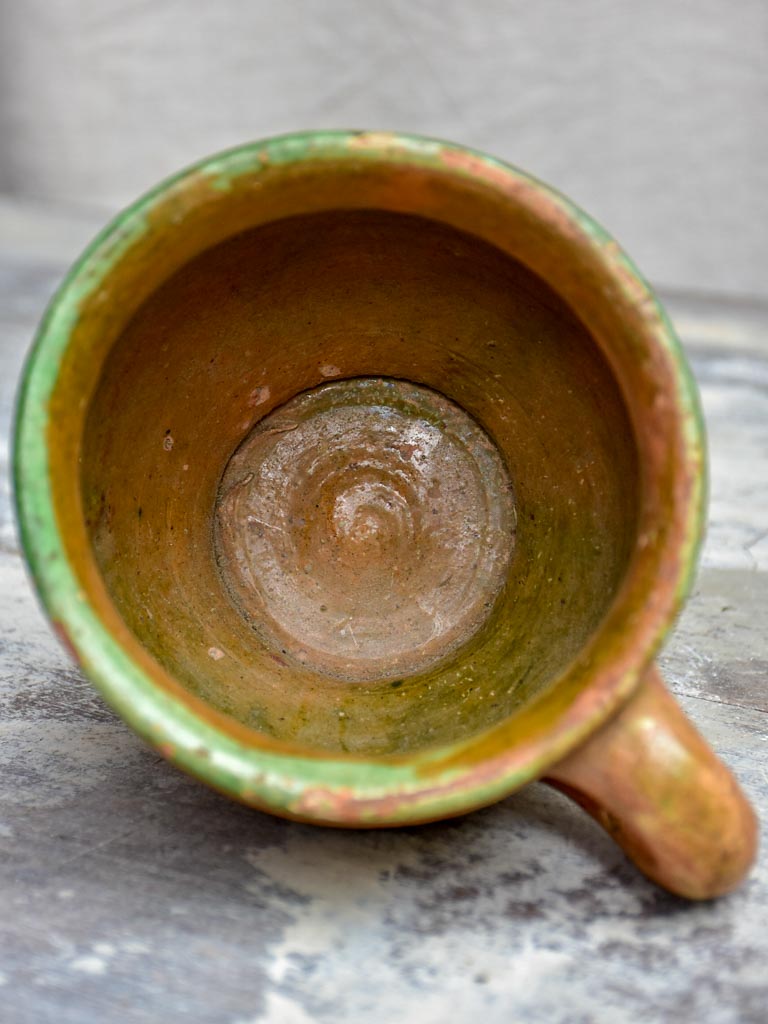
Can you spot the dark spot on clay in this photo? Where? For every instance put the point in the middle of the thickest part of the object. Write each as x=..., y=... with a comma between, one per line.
x=139, y=512
x=396, y=684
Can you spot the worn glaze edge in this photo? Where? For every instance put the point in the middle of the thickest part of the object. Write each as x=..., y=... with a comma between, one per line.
x=334, y=789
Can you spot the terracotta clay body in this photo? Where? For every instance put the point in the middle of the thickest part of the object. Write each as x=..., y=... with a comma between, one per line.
x=367, y=527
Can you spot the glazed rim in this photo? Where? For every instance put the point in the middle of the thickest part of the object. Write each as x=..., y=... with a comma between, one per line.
x=348, y=789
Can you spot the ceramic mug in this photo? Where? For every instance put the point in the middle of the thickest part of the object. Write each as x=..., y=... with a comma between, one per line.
x=364, y=476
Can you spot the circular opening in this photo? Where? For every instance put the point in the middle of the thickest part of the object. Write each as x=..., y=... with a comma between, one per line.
x=221, y=296
x=197, y=405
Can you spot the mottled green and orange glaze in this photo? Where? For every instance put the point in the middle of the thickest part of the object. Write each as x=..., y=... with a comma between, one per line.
x=379, y=255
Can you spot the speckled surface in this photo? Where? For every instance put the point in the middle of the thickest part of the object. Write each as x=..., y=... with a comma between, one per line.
x=133, y=894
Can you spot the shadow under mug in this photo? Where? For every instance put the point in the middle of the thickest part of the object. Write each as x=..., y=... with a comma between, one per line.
x=364, y=476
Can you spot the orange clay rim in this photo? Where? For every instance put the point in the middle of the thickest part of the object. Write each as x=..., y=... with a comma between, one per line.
x=347, y=789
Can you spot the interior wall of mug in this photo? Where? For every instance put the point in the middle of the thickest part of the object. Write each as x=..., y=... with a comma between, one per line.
x=372, y=268
x=277, y=310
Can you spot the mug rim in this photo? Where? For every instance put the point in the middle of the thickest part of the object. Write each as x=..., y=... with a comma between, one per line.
x=323, y=786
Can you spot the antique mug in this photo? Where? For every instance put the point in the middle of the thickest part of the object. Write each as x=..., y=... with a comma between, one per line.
x=364, y=476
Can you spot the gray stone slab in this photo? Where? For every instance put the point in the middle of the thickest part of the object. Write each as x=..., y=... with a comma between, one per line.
x=131, y=893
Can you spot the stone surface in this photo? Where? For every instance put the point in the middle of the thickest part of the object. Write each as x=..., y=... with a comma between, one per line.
x=133, y=894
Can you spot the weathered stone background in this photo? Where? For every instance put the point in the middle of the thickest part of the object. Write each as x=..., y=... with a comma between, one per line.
x=132, y=894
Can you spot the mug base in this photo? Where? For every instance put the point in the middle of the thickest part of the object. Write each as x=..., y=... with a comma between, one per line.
x=365, y=528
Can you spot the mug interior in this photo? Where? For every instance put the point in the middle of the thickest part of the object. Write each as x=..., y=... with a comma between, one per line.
x=326, y=258
x=271, y=312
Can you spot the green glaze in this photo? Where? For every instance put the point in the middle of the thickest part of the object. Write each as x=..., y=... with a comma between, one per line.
x=330, y=787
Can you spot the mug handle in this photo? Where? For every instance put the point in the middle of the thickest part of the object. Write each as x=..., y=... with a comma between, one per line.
x=657, y=788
